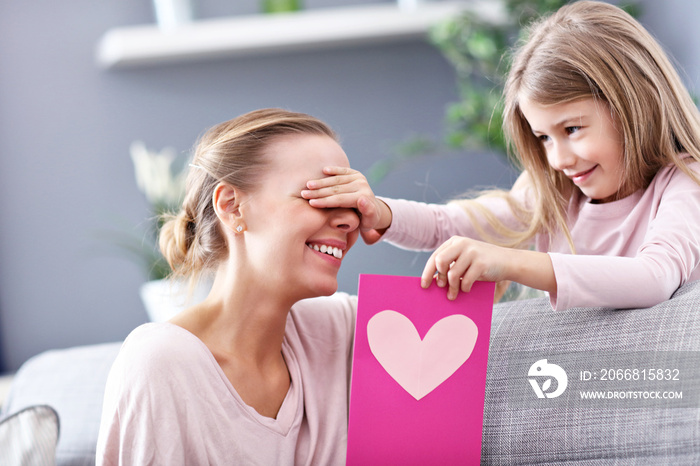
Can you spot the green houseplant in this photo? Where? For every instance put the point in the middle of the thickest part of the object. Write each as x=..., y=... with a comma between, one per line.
x=162, y=181
x=478, y=50
x=160, y=176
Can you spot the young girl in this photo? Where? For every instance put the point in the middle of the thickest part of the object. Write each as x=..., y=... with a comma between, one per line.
x=607, y=209
x=257, y=373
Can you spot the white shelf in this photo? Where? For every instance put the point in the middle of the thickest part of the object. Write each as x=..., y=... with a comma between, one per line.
x=257, y=34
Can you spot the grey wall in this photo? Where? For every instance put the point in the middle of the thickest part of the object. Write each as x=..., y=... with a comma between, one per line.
x=66, y=126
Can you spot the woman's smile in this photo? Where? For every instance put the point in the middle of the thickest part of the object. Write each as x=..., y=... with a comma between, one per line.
x=328, y=250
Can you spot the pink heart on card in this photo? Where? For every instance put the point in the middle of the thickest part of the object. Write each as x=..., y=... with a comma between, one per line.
x=420, y=366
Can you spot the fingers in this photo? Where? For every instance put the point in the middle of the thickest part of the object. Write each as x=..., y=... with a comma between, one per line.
x=454, y=266
x=436, y=268
x=369, y=213
x=319, y=189
x=334, y=176
x=332, y=191
x=338, y=171
x=429, y=272
x=331, y=181
x=342, y=187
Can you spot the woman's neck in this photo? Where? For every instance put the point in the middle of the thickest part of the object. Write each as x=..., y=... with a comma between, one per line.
x=244, y=332
x=237, y=319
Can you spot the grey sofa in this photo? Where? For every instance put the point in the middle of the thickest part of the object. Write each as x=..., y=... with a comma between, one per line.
x=520, y=427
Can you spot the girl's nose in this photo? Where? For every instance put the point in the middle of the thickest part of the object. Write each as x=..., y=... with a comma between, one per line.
x=345, y=219
x=560, y=157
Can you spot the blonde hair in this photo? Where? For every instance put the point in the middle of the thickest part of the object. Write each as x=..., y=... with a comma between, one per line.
x=592, y=49
x=232, y=152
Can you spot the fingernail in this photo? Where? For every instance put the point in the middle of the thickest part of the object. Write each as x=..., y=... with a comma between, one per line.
x=441, y=282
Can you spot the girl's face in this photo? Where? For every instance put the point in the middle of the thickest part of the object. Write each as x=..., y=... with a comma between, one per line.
x=291, y=246
x=581, y=139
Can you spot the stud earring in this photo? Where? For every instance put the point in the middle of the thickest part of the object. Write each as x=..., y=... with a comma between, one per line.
x=239, y=228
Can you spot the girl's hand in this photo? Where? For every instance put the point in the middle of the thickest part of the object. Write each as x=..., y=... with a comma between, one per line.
x=459, y=262
x=348, y=188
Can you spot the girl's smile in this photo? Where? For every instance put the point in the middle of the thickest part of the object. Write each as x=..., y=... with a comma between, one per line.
x=580, y=177
x=581, y=139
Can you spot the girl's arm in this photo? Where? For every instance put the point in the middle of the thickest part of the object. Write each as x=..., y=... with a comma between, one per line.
x=421, y=226
x=405, y=224
x=414, y=225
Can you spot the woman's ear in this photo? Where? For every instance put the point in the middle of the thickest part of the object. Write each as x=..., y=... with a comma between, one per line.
x=227, y=200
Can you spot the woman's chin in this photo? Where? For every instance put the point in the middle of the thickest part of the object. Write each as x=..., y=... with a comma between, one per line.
x=326, y=287
x=329, y=290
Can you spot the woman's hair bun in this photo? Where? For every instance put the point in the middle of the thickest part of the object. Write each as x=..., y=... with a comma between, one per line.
x=176, y=237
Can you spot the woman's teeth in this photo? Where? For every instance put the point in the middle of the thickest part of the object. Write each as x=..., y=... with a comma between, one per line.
x=327, y=250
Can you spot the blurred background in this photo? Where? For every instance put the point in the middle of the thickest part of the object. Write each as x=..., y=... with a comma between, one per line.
x=67, y=124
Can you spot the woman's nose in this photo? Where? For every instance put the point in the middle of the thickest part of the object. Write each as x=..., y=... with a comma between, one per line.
x=345, y=219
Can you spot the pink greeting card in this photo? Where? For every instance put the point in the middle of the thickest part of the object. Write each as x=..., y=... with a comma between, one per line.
x=419, y=372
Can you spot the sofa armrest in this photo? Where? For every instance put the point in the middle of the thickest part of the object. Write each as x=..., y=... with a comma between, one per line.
x=72, y=381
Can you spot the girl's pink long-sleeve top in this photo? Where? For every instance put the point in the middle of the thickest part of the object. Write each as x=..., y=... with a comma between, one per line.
x=631, y=253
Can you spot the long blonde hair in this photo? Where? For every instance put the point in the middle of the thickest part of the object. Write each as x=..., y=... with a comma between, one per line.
x=592, y=49
x=232, y=152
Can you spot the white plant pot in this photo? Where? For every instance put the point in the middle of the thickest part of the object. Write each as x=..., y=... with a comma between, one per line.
x=163, y=299
x=173, y=13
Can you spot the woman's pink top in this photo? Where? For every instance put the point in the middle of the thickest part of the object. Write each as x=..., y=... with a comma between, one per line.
x=631, y=253
x=168, y=401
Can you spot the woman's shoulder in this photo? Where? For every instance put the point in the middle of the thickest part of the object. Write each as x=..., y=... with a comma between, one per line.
x=159, y=372
x=156, y=334
x=154, y=345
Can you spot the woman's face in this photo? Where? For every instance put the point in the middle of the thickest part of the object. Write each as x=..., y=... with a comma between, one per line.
x=581, y=140
x=289, y=244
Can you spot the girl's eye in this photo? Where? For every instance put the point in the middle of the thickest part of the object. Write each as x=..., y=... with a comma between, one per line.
x=543, y=138
x=572, y=129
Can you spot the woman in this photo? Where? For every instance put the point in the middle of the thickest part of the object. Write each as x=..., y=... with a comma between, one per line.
x=258, y=373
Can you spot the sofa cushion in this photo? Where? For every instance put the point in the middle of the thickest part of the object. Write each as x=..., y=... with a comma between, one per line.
x=71, y=381
x=521, y=428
